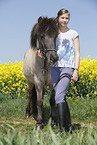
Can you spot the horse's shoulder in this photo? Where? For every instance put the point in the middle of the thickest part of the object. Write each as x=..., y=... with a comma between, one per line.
x=30, y=51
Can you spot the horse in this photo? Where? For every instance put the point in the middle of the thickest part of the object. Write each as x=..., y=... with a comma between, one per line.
x=37, y=70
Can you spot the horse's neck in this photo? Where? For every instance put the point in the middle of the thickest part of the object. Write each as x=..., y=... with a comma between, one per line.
x=39, y=60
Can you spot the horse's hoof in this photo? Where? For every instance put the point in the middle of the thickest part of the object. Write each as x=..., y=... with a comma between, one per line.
x=39, y=126
x=27, y=115
x=54, y=124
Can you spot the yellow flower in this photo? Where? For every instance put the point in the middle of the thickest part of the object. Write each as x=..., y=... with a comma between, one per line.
x=47, y=87
x=23, y=90
x=18, y=94
x=16, y=62
x=75, y=89
x=87, y=95
x=11, y=77
x=3, y=84
x=95, y=93
x=19, y=89
x=10, y=82
x=7, y=92
x=13, y=88
x=21, y=86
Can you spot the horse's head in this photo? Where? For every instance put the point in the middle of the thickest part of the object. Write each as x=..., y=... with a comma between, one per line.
x=45, y=32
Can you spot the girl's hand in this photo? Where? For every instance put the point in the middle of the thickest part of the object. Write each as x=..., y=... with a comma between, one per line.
x=40, y=54
x=75, y=76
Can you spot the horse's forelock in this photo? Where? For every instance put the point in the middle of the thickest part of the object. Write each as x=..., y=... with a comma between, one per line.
x=48, y=26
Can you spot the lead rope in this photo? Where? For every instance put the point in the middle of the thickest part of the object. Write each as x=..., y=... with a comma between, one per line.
x=44, y=71
x=62, y=76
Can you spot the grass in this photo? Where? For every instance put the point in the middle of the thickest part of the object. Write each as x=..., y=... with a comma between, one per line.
x=15, y=129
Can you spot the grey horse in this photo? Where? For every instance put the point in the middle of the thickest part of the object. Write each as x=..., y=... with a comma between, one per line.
x=37, y=70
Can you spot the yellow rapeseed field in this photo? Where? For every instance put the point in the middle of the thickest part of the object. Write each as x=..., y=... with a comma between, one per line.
x=12, y=80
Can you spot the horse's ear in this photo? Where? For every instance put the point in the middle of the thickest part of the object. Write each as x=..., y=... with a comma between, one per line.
x=39, y=19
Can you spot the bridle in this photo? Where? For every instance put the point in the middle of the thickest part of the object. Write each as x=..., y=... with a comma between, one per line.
x=44, y=52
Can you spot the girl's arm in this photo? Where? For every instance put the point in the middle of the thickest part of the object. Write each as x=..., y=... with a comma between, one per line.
x=76, y=58
x=76, y=52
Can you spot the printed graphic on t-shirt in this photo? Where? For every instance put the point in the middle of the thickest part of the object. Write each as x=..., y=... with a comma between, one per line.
x=65, y=53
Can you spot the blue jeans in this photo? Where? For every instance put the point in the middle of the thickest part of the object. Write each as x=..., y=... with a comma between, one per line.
x=63, y=84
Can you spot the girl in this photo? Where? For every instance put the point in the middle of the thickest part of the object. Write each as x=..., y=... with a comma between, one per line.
x=68, y=50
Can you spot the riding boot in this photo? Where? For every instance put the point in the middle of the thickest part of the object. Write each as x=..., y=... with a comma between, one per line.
x=62, y=116
x=68, y=118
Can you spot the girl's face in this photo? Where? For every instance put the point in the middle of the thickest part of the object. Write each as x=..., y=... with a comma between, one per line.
x=63, y=20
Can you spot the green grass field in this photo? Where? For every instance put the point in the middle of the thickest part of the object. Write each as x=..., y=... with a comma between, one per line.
x=16, y=129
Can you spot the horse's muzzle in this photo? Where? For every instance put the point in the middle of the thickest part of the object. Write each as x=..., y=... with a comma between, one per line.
x=53, y=59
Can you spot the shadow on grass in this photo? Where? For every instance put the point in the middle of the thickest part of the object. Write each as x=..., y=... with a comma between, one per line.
x=76, y=127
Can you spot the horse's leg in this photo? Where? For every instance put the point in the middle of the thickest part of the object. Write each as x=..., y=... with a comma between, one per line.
x=39, y=91
x=52, y=106
x=34, y=101
x=29, y=96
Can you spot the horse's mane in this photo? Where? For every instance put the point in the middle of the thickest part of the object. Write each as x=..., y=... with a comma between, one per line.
x=43, y=26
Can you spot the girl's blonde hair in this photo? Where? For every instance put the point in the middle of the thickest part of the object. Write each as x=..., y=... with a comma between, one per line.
x=62, y=11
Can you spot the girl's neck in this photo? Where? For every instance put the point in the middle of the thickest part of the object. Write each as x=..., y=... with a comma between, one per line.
x=63, y=29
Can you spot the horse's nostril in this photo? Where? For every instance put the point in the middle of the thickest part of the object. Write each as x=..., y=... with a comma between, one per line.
x=54, y=59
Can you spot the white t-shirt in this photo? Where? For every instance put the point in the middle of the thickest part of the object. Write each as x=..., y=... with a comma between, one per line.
x=65, y=48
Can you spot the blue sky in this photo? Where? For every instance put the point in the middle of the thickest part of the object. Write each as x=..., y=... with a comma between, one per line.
x=17, y=18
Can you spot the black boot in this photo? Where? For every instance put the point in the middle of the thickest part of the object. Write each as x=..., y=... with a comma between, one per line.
x=68, y=128
x=62, y=116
